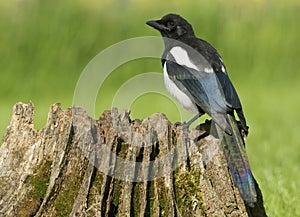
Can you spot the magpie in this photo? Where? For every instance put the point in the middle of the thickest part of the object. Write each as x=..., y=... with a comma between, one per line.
x=195, y=74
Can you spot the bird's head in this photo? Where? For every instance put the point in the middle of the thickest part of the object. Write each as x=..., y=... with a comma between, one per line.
x=172, y=26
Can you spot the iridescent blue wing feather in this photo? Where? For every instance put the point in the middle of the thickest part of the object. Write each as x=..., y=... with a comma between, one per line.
x=205, y=91
x=238, y=163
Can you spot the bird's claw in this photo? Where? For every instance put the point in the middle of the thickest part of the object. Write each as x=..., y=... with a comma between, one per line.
x=183, y=124
x=177, y=124
x=185, y=129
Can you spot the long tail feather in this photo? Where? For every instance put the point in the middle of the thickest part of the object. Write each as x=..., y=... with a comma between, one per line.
x=237, y=160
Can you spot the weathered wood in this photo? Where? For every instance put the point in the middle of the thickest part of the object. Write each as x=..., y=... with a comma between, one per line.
x=61, y=170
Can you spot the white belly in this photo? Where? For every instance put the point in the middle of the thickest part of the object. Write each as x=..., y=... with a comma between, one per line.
x=180, y=96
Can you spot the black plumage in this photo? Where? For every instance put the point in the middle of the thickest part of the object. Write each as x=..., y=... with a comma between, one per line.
x=195, y=74
x=178, y=32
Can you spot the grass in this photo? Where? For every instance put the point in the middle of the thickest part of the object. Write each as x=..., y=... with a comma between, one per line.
x=45, y=45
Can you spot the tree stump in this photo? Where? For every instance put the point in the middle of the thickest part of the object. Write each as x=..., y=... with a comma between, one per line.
x=114, y=166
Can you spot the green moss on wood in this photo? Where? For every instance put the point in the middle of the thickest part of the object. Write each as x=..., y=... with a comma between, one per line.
x=39, y=182
x=187, y=191
x=150, y=199
x=162, y=197
x=116, y=192
x=136, y=199
x=95, y=191
x=68, y=193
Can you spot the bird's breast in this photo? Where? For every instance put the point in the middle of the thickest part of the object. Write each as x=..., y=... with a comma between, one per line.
x=178, y=94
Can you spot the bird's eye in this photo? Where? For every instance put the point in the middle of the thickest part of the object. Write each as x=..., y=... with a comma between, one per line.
x=170, y=24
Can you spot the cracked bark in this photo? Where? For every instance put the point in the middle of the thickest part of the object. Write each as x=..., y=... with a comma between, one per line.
x=61, y=170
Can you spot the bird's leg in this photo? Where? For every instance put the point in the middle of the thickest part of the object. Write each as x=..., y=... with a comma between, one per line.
x=186, y=125
x=185, y=131
x=193, y=119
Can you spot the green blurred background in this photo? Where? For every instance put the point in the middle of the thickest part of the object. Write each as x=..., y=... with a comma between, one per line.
x=45, y=45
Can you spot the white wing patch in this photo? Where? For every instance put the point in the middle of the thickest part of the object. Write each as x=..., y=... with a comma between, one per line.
x=181, y=57
x=208, y=70
x=180, y=96
x=223, y=69
x=221, y=60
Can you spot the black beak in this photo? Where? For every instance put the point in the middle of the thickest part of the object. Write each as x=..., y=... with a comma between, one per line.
x=156, y=24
